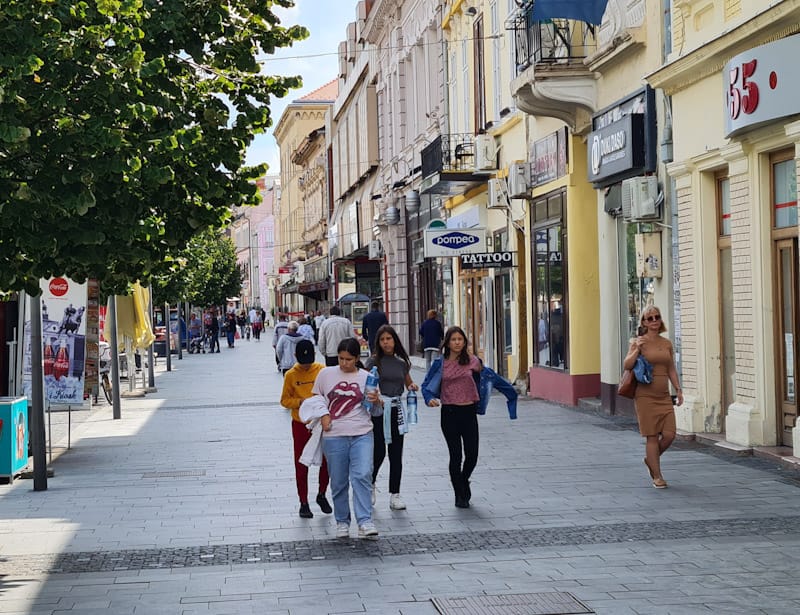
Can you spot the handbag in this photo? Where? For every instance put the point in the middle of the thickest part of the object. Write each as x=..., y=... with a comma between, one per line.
x=627, y=384
x=642, y=370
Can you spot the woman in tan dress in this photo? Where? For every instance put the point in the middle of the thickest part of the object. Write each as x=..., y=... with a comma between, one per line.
x=653, y=403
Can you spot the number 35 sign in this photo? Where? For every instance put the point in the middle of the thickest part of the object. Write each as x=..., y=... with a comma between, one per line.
x=761, y=85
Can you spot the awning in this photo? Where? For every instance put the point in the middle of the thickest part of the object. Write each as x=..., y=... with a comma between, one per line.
x=313, y=287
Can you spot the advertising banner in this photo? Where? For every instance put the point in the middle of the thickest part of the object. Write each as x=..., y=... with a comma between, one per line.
x=63, y=342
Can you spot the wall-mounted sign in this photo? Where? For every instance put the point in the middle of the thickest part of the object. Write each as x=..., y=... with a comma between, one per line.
x=762, y=85
x=622, y=143
x=452, y=242
x=648, y=255
x=486, y=260
x=549, y=157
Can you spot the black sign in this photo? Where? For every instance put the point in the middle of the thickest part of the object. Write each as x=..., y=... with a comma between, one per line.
x=487, y=260
x=617, y=149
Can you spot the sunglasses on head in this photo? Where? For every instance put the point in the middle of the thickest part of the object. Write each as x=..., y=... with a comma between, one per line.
x=653, y=318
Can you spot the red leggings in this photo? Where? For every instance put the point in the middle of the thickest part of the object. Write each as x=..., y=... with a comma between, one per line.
x=301, y=435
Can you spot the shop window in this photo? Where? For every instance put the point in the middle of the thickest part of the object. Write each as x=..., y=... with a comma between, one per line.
x=784, y=193
x=724, y=206
x=550, y=288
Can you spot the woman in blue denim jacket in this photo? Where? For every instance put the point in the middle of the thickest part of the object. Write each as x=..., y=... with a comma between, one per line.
x=459, y=422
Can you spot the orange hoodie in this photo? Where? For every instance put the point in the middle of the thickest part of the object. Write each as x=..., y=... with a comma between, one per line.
x=297, y=383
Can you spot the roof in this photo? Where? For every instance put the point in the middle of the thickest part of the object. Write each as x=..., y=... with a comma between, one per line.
x=326, y=93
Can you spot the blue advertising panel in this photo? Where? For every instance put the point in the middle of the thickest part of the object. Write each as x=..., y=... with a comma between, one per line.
x=13, y=435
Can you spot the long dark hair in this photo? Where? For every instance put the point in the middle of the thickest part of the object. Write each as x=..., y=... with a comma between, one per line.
x=463, y=356
x=351, y=346
x=399, y=351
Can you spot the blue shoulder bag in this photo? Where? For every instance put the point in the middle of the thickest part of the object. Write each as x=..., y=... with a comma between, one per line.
x=643, y=370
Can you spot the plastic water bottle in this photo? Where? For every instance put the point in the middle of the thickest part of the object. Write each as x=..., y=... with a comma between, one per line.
x=411, y=407
x=370, y=386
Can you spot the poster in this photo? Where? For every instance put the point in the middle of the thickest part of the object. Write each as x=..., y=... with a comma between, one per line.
x=64, y=305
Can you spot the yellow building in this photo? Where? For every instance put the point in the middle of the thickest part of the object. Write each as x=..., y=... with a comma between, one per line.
x=294, y=133
x=731, y=79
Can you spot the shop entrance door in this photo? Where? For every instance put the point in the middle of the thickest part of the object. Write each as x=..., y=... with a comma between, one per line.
x=786, y=331
x=474, y=313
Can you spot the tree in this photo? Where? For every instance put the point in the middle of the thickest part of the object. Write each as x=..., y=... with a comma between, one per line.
x=123, y=129
x=206, y=273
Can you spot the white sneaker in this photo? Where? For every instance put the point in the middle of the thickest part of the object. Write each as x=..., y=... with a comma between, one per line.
x=367, y=530
x=342, y=530
x=374, y=493
x=396, y=502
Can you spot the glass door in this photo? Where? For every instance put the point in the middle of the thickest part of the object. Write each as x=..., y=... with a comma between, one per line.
x=786, y=290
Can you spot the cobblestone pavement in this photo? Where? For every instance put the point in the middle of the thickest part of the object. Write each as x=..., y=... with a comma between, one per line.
x=187, y=505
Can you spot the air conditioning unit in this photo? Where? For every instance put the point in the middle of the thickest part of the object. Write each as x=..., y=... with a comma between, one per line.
x=640, y=199
x=496, y=193
x=485, y=153
x=374, y=250
x=519, y=179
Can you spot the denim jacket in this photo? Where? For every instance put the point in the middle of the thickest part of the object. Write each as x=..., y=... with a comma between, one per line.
x=485, y=381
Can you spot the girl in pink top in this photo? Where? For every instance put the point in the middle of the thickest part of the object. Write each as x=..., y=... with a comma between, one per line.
x=459, y=401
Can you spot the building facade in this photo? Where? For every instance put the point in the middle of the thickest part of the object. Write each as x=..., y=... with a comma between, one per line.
x=736, y=146
x=298, y=132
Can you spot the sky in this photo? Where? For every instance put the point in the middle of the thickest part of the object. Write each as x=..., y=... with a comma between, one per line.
x=314, y=59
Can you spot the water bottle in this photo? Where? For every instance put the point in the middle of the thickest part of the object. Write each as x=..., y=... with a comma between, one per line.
x=371, y=385
x=411, y=407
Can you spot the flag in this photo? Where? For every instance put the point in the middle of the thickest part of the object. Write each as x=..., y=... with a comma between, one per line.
x=590, y=11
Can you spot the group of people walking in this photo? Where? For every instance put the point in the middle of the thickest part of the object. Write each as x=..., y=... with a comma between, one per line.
x=347, y=427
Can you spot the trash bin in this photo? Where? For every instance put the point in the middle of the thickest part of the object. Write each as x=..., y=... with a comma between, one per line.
x=13, y=435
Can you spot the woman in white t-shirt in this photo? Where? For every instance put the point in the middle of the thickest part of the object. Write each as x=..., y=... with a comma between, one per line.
x=347, y=439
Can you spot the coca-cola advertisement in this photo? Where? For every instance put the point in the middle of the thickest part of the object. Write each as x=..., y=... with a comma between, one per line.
x=63, y=341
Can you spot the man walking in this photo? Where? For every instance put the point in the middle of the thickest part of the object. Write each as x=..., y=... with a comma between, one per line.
x=371, y=323
x=281, y=328
x=334, y=329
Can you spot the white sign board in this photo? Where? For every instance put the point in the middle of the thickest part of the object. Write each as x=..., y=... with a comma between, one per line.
x=452, y=242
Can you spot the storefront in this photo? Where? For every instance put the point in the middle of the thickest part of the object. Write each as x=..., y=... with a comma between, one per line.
x=564, y=282
x=735, y=174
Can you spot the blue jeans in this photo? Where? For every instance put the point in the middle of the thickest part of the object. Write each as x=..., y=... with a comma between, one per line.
x=350, y=460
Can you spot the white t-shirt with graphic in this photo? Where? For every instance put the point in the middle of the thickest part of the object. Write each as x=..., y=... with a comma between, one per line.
x=345, y=394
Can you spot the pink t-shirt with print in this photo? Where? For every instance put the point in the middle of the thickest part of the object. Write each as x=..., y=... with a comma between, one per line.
x=458, y=386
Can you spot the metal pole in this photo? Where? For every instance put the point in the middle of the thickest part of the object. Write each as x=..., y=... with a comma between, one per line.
x=151, y=376
x=167, y=336
x=112, y=321
x=37, y=398
x=180, y=342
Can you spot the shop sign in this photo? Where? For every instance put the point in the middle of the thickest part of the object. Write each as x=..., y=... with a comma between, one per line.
x=549, y=156
x=487, y=260
x=616, y=149
x=762, y=85
x=622, y=143
x=452, y=242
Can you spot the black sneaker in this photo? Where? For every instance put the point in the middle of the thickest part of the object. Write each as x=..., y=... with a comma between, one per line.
x=305, y=511
x=323, y=504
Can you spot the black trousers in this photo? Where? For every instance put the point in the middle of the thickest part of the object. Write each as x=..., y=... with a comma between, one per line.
x=460, y=430
x=214, y=341
x=395, y=451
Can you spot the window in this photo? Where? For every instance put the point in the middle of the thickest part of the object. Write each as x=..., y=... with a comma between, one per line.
x=784, y=193
x=724, y=206
x=479, y=77
x=550, y=286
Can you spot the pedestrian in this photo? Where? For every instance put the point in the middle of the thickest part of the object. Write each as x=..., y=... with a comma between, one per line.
x=318, y=320
x=347, y=438
x=394, y=371
x=653, y=403
x=213, y=331
x=230, y=327
x=297, y=384
x=333, y=330
x=370, y=324
x=281, y=327
x=285, y=350
x=241, y=322
x=451, y=384
x=256, y=324
x=195, y=327
x=432, y=333
x=305, y=329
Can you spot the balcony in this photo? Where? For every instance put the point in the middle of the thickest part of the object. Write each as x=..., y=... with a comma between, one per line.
x=552, y=77
x=455, y=163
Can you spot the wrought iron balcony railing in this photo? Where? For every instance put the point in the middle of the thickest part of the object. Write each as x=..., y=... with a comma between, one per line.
x=449, y=153
x=554, y=42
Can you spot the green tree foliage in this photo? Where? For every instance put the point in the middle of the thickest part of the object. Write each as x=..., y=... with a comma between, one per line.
x=205, y=273
x=123, y=130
